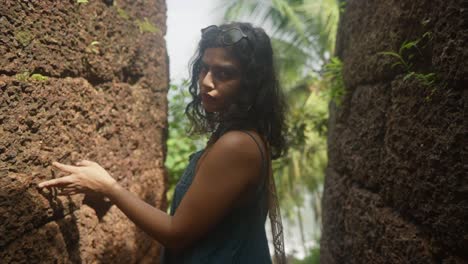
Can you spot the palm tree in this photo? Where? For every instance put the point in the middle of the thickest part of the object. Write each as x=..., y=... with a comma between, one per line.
x=303, y=32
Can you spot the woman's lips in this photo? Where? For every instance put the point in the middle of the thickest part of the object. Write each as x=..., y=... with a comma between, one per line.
x=207, y=98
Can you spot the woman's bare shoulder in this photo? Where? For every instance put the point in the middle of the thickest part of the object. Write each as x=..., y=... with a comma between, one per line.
x=239, y=141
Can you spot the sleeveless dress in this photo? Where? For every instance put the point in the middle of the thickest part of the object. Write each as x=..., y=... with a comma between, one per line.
x=238, y=238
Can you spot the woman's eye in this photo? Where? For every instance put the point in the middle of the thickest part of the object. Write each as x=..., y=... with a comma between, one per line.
x=222, y=74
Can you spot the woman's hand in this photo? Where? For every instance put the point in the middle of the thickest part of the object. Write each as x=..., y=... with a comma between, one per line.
x=87, y=177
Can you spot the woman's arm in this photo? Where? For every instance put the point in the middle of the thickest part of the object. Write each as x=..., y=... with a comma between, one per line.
x=230, y=169
x=151, y=220
x=231, y=166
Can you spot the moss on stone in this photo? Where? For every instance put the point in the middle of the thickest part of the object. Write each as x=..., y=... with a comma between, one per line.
x=23, y=77
x=26, y=76
x=146, y=26
x=24, y=37
x=38, y=77
x=122, y=13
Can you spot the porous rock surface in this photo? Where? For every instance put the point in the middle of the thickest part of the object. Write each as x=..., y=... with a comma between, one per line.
x=80, y=81
x=396, y=188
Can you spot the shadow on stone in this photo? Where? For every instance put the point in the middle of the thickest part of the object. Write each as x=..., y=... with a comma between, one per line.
x=32, y=233
x=98, y=202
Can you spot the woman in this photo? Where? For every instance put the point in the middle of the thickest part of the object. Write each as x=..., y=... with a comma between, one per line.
x=222, y=199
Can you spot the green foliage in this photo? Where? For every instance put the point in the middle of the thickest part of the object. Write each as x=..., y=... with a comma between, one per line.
x=333, y=80
x=24, y=37
x=406, y=54
x=290, y=62
x=146, y=26
x=313, y=257
x=400, y=55
x=302, y=168
x=82, y=1
x=342, y=6
x=308, y=25
x=179, y=144
x=427, y=79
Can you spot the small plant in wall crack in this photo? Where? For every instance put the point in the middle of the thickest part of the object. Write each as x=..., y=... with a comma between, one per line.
x=93, y=47
x=401, y=60
x=333, y=79
x=404, y=59
x=427, y=79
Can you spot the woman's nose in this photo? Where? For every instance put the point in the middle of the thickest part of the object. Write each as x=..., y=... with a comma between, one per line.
x=208, y=81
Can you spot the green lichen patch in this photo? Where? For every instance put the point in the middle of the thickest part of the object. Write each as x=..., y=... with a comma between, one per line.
x=27, y=77
x=24, y=37
x=146, y=26
x=38, y=77
x=122, y=13
x=23, y=77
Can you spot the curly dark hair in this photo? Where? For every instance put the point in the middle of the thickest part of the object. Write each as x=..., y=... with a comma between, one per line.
x=259, y=106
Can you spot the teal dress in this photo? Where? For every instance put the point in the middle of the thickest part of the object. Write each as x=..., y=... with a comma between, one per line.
x=238, y=238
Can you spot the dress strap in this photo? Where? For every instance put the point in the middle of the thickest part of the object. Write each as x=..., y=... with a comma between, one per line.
x=264, y=166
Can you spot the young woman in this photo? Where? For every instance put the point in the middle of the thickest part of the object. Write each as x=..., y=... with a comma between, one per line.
x=221, y=202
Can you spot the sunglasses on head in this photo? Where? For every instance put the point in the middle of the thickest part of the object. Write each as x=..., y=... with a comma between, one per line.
x=229, y=36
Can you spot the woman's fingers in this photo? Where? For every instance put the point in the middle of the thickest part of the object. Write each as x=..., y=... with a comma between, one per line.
x=60, y=182
x=63, y=167
x=86, y=176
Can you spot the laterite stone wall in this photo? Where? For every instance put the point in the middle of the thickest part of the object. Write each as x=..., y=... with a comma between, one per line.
x=396, y=188
x=80, y=81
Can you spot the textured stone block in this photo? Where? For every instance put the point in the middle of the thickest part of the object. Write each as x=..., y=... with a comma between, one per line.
x=396, y=190
x=99, y=93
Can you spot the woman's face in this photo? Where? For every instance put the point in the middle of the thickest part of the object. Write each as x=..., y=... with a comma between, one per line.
x=219, y=79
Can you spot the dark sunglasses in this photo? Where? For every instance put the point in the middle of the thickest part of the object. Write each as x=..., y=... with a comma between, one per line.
x=228, y=36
